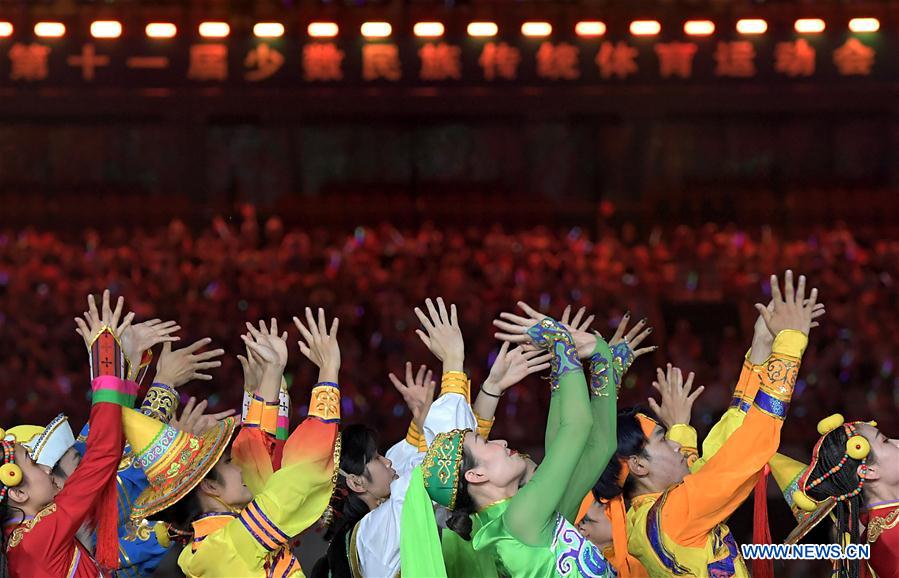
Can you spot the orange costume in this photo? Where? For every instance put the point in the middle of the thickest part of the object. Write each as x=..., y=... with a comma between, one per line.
x=681, y=531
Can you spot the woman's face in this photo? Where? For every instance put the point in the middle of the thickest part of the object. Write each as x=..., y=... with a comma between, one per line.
x=381, y=474
x=37, y=485
x=495, y=462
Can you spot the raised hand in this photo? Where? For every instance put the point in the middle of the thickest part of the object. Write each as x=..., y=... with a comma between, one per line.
x=175, y=368
x=262, y=347
x=252, y=371
x=270, y=337
x=96, y=321
x=417, y=392
x=633, y=337
x=262, y=353
x=194, y=421
x=319, y=344
x=515, y=329
x=442, y=334
x=677, y=399
x=511, y=366
x=140, y=337
x=579, y=327
x=791, y=309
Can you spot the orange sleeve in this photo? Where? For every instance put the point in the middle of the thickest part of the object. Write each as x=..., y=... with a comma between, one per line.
x=741, y=390
x=711, y=495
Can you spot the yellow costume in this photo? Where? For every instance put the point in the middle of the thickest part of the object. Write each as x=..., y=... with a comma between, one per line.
x=255, y=542
x=681, y=531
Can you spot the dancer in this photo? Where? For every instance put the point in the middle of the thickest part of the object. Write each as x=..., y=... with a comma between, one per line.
x=41, y=521
x=371, y=489
x=675, y=522
x=234, y=532
x=521, y=524
x=854, y=473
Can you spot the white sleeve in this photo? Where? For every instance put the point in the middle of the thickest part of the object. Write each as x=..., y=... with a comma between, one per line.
x=378, y=537
x=450, y=411
x=402, y=456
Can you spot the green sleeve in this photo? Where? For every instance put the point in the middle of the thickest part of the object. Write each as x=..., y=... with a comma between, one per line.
x=532, y=511
x=603, y=441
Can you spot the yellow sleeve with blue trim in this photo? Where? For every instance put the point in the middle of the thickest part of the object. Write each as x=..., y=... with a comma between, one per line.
x=292, y=499
x=709, y=496
x=685, y=435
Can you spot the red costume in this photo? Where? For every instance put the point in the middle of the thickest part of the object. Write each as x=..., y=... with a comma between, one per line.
x=881, y=523
x=45, y=544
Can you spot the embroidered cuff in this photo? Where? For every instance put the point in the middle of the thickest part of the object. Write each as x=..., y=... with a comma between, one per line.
x=160, y=403
x=413, y=436
x=771, y=404
x=111, y=389
x=599, y=368
x=262, y=414
x=738, y=403
x=456, y=382
x=261, y=528
x=282, y=428
x=325, y=402
x=622, y=359
x=106, y=356
x=552, y=336
x=484, y=426
x=778, y=376
x=790, y=342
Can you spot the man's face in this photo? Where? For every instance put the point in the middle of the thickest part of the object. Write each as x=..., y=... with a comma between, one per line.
x=666, y=465
x=65, y=466
x=595, y=526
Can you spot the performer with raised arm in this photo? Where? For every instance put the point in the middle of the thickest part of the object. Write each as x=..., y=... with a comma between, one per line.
x=676, y=519
x=521, y=524
x=371, y=488
x=40, y=520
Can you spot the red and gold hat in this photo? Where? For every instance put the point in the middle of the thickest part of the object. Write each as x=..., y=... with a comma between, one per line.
x=173, y=461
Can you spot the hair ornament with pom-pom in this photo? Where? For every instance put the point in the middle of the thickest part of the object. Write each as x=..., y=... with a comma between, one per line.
x=857, y=447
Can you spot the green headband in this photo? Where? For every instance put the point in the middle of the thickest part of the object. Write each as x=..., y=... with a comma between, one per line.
x=441, y=467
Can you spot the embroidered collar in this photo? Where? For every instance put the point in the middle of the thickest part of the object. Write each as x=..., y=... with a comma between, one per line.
x=19, y=529
x=882, y=505
x=491, y=504
x=210, y=523
x=638, y=501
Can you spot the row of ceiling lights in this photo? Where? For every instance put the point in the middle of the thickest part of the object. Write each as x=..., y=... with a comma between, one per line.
x=586, y=28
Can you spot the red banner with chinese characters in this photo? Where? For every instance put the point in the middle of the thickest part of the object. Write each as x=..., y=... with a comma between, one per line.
x=617, y=57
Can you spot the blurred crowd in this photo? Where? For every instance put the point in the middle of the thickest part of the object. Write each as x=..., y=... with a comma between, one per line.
x=697, y=286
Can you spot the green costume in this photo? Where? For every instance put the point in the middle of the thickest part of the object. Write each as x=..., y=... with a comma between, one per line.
x=530, y=534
